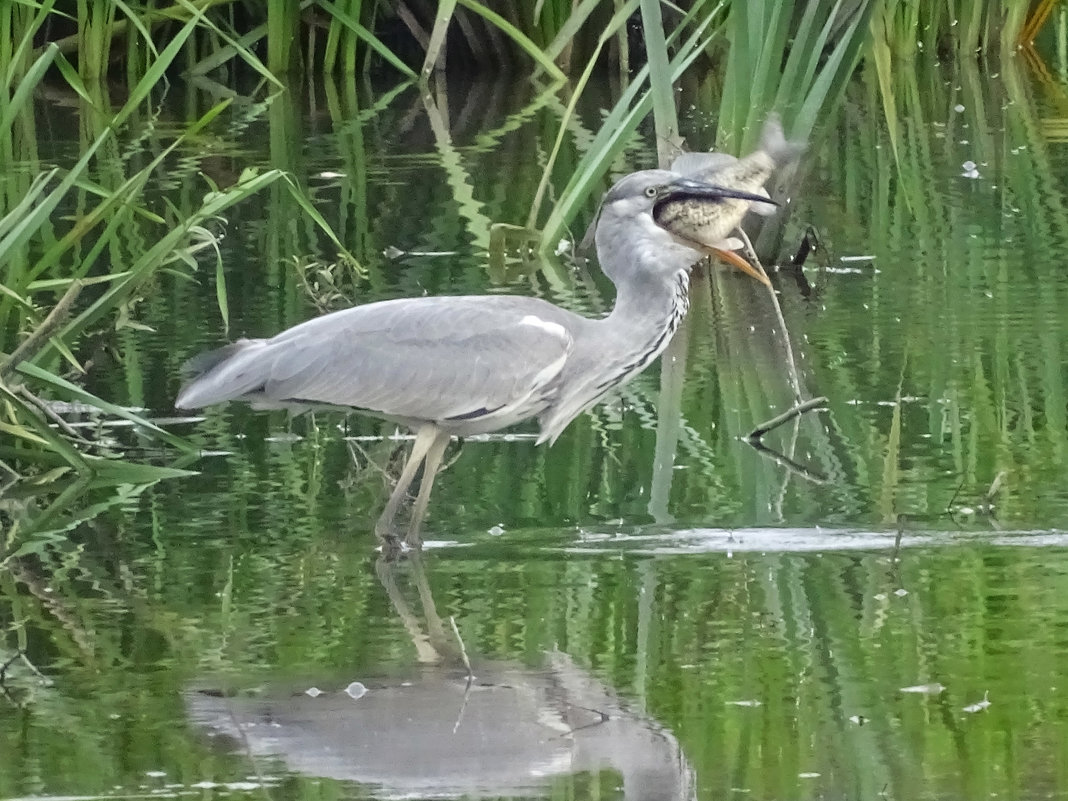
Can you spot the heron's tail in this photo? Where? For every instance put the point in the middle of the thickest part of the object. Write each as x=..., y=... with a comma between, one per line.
x=223, y=374
x=773, y=142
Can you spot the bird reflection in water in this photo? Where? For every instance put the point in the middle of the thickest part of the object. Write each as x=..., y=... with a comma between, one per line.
x=451, y=728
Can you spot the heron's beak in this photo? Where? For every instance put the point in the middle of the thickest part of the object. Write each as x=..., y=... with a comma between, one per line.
x=687, y=188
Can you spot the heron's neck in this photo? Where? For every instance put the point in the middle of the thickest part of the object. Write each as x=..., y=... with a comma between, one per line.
x=647, y=313
x=653, y=301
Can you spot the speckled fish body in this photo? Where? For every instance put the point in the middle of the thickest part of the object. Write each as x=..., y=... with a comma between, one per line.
x=711, y=223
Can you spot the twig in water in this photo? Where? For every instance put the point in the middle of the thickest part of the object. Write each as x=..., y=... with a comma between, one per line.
x=750, y=253
x=791, y=362
x=3, y=676
x=810, y=243
x=7, y=664
x=353, y=447
x=603, y=717
x=470, y=673
x=786, y=417
x=995, y=488
x=246, y=745
x=896, y=556
x=51, y=414
x=11, y=476
x=788, y=463
x=949, y=506
x=463, y=650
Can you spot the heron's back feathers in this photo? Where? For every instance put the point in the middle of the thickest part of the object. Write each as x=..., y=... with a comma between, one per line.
x=468, y=363
x=222, y=374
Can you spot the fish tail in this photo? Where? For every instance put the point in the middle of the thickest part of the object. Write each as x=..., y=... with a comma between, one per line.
x=773, y=142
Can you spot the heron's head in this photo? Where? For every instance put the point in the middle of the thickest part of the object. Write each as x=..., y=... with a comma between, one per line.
x=632, y=238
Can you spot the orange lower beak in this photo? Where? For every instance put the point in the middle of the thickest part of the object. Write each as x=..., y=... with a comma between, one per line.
x=735, y=260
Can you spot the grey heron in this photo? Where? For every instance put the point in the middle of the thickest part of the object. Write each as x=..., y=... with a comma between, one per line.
x=457, y=366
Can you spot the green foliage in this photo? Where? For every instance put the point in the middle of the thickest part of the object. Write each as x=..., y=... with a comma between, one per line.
x=552, y=37
x=944, y=360
x=101, y=249
x=960, y=27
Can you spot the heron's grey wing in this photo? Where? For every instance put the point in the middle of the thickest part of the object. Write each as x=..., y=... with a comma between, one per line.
x=422, y=358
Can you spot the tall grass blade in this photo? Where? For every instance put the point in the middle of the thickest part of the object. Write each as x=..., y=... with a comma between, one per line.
x=517, y=36
x=621, y=122
x=437, y=36
x=569, y=30
x=665, y=119
x=242, y=51
x=34, y=75
x=367, y=37
x=36, y=431
x=17, y=60
x=618, y=21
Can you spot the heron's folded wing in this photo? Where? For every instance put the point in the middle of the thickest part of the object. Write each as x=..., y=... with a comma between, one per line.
x=422, y=358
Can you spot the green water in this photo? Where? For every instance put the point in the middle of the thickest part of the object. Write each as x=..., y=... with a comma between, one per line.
x=670, y=619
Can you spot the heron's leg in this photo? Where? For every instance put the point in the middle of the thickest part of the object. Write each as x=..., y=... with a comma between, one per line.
x=425, y=647
x=430, y=470
x=424, y=439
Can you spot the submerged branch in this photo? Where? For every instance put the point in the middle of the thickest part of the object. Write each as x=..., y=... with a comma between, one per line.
x=44, y=331
x=463, y=649
x=795, y=411
x=785, y=461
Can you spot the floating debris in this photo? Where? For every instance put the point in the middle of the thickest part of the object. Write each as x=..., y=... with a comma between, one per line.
x=314, y=692
x=392, y=252
x=285, y=439
x=356, y=690
x=934, y=688
x=979, y=706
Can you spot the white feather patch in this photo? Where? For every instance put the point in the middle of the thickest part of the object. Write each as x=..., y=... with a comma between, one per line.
x=555, y=329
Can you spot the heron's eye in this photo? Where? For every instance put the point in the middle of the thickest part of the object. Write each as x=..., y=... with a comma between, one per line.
x=651, y=191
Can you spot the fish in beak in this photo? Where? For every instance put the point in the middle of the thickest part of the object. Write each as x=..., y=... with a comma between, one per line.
x=702, y=215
